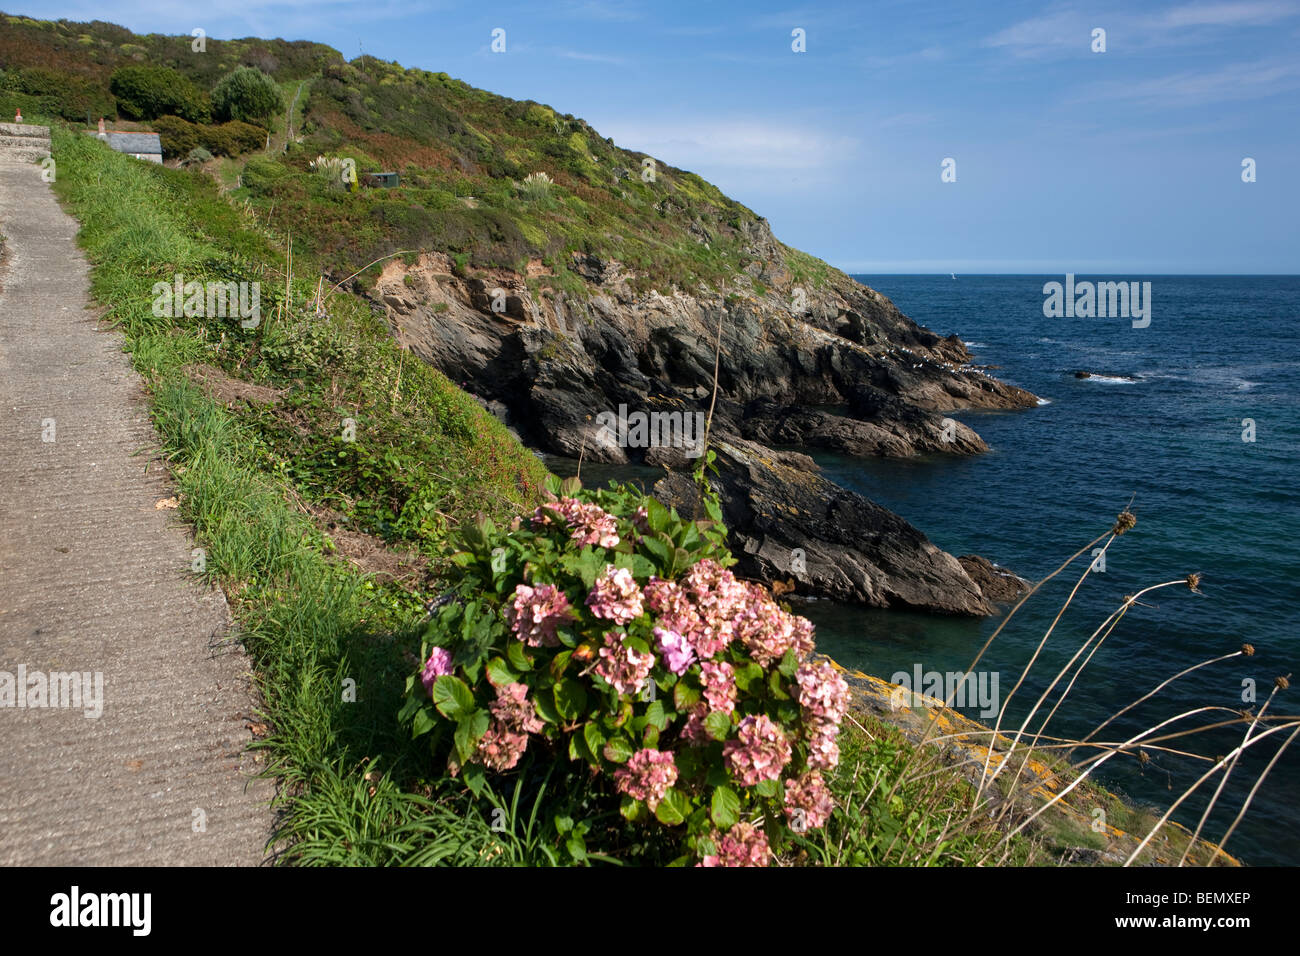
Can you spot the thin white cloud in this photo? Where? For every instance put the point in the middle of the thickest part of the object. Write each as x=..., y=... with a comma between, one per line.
x=1071, y=28
x=1237, y=81
x=1063, y=28
x=591, y=57
x=1228, y=14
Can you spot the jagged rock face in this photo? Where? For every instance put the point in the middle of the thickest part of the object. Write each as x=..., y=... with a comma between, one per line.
x=998, y=584
x=845, y=371
x=851, y=548
x=837, y=367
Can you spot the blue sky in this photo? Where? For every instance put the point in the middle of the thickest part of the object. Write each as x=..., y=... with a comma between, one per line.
x=1127, y=161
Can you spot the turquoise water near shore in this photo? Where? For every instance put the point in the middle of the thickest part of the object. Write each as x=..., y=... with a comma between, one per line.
x=1162, y=425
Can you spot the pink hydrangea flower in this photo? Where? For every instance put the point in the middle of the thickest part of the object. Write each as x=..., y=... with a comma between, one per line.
x=673, y=605
x=766, y=631
x=719, y=680
x=622, y=666
x=823, y=694
x=537, y=612
x=823, y=751
x=513, y=719
x=676, y=650
x=647, y=776
x=743, y=845
x=514, y=710
x=439, y=663
x=500, y=748
x=760, y=753
x=615, y=596
x=808, y=802
x=588, y=523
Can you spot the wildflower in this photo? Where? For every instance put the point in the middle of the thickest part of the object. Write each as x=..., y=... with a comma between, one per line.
x=808, y=801
x=678, y=654
x=623, y=667
x=536, y=613
x=615, y=596
x=760, y=753
x=743, y=845
x=647, y=776
x=439, y=663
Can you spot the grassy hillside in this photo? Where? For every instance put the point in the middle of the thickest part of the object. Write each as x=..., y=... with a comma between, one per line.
x=466, y=158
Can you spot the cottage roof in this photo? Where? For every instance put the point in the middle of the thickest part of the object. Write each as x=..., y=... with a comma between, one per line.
x=135, y=142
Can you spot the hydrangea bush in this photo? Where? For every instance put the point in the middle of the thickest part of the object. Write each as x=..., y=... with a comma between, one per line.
x=606, y=629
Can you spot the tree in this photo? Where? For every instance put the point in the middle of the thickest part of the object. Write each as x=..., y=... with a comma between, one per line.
x=249, y=95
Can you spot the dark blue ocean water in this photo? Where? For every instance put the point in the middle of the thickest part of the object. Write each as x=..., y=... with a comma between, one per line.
x=1161, y=425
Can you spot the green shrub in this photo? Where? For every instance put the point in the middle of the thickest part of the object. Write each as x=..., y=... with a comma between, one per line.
x=248, y=95
x=148, y=92
x=178, y=136
x=261, y=175
x=233, y=138
x=606, y=629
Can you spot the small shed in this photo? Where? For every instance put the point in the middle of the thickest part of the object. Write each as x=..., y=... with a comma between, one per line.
x=386, y=180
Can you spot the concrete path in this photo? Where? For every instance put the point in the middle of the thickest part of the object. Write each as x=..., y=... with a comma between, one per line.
x=95, y=579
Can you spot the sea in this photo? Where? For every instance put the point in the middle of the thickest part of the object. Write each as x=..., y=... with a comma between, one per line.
x=1192, y=422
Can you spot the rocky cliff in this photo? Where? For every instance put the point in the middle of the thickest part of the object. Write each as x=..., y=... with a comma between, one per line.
x=834, y=366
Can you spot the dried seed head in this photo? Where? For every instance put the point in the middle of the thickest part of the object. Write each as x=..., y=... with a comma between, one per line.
x=1282, y=683
x=1143, y=757
x=1248, y=650
x=1124, y=521
x=1194, y=583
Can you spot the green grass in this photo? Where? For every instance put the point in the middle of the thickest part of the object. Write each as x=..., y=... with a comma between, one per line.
x=311, y=623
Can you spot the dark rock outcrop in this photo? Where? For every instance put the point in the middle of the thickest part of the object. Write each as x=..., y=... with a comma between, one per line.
x=997, y=584
x=852, y=549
